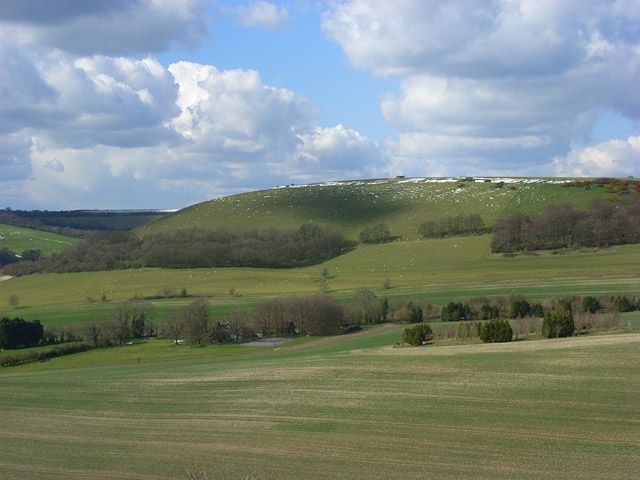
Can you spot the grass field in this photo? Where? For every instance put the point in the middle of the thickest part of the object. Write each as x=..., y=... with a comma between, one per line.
x=18, y=239
x=403, y=204
x=436, y=271
x=341, y=407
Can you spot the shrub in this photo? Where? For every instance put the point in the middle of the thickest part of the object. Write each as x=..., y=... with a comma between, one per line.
x=558, y=323
x=417, y=335
x=17, y=332
x=410, y=313
x=451, y=226
x=455, y=311
x=377, y=234
x=520, y=308
x=590, y=304
x=496, y=331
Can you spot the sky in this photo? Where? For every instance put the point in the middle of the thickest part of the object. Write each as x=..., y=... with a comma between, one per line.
x=165, y=103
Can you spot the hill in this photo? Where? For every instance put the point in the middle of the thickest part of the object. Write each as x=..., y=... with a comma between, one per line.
x=402, y=203
x=18, y=239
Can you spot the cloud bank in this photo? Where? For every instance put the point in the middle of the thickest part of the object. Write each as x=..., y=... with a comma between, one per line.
x=89, y=119
x=493, y=86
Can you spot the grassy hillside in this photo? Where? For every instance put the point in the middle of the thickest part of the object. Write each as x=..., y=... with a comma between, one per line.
x=18, y=239
x=403, y=204
x=344, y=407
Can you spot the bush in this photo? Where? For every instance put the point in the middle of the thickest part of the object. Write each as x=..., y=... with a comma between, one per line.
x=17, y=333
x=377, y=234
x=410, y=313
x=520, y=308
x=455, y=311
x=558, y=324
x=7, y=257
x=451, y=226
x=496, y=331
x=590, y=304
x=417, y=335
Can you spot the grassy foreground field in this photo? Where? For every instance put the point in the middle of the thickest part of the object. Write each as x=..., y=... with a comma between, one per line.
x=343, y=407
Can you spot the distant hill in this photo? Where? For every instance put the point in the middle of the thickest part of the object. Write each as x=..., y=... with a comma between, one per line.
x=401, y=203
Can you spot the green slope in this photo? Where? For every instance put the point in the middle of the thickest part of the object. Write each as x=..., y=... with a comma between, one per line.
x=18, y=239
x=403, y=204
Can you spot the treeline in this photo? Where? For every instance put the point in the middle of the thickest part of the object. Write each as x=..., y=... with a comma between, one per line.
x=77, y=222
x=194, y=248
x=603, y=224
x=452, y=226
x=11, y=217
x=482, y=308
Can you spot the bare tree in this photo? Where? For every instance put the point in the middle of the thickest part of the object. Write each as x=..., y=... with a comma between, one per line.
x=174, y=328
x=195, y=318
x=14, y=301
x=93, y=332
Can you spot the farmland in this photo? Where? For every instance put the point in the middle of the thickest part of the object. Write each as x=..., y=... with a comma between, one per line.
x=348, y=406
x=341, y=407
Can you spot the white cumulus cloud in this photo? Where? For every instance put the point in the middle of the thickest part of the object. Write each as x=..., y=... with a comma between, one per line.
x=506, y=85
x=261, y=13
x=619, y=158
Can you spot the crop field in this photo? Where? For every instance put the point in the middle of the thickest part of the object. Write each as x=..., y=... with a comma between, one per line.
x=339, y=407
x=403, y=204
x=18, y=239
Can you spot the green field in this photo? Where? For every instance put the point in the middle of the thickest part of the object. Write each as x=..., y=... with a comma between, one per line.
x=18, y=239
x=403, y=204
x=341, y=407
x=436, y=271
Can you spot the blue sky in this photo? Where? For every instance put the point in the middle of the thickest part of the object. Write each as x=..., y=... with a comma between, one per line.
x=161, y=104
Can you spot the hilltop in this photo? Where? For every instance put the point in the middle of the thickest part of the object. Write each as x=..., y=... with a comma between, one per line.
x=402, y=203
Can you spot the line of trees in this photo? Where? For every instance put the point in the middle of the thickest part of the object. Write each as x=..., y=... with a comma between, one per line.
x=482, y=308
x=292, y=316
x=452, y=226
x=603, y=224
x=193, y=248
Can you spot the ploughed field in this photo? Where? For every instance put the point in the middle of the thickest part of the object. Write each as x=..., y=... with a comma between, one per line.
x=338, y=407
